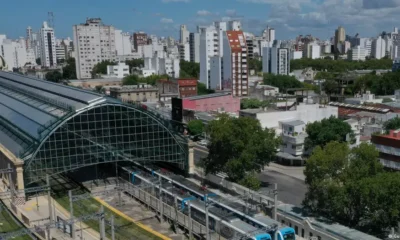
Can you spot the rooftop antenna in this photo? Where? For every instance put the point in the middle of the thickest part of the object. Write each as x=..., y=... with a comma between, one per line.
x=50, y=16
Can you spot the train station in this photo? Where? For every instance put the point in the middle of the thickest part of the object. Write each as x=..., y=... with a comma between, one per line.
x=48, y=128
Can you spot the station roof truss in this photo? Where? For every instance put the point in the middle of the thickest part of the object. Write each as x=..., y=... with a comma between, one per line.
x=55, y=128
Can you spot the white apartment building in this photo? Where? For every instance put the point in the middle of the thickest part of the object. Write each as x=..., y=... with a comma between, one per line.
x=276, y=60
x=357, y=54
x=29, y=39
x=296, y=55
x=184, y=51
x=194, y=41
x=209, y=47
x=184, y=35
x=13, y=52
x=94, y=42
x=118, y=71
x=216, y=73
x=48, y=55
x=269, y=34
x=263, y=44
x=378, y=48
x=293, y=137
x=123, y=44
x=312, y=50
x=160, y=66
x=235, y=72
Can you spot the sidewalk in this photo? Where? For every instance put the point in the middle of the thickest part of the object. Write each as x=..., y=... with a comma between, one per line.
x=296, y=172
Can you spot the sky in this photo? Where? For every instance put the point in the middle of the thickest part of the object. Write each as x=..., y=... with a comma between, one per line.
x=163, y=17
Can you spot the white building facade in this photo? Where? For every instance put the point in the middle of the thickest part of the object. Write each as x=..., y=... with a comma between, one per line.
x=48, y=54
x=14, y=53
x=208, y=48
x=184, y=35
x=276, y=60
x=94, y=42
x=378, y=48
x=118, y=71
x=357, y=54
x=123, y=44
x=194, y=41
x=184, y=51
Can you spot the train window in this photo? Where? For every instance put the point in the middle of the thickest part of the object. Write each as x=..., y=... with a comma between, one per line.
x=319, y=238
x=296, y=230
x=290, y=224
x=311, y=234
x=302, y=232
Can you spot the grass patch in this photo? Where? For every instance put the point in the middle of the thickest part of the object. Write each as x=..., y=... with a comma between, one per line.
x=7, y=224
x=125, y=230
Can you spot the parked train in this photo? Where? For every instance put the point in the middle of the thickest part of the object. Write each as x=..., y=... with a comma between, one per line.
x=226, y=220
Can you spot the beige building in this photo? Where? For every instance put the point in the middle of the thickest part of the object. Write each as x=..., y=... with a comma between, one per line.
x=136, y=93
x=93, y=83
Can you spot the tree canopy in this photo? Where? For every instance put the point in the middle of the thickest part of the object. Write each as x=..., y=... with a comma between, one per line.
x=392, y=124
x=330, y=86
x=282, y=82
x=196, y=127
x=329, y=129
x=134, y=79
x=239, y=147
x=351, y=187
x=249, y=103
x=134, y=63
x=202, y=89
x=53, y=76
x=69, y=71
x=189, y=69
x=255, y=64
x=130, y=80
x=101, y=67
x=340, y=65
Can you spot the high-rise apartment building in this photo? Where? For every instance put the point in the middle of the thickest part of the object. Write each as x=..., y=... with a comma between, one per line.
x=139, y=39
x=194, y=42
x=235, y=72
x=184, y=51
x=312, y=50
x=378, y=48
x=184, y=38
x=29, y=39
x=94, y=42
x=123, y=45
x=276, y=60
x=269, y=34
x=340, y=36
x=209, y=47
x=357, y=54
x=48, y=46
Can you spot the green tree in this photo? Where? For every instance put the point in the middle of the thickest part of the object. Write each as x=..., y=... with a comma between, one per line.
x=251, y=181
x=392, y=124
x=330, y=87
x=365, y=82
x=53, y=76
x=329, y=129
x=130, y=80
x=239, y=146
x=249, y=103
x=196, y=127
x=101, y=67
x=351, y=187
x=189, y=69
x=153, y=79
x=69, y=71
x=134, y=64
x=340, y=65
x=283, y=82
x=255, y=64
x=202, y=89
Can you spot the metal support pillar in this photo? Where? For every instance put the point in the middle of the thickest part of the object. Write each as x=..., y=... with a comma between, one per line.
x=176, y=212
x=275, y=201
x=11, y=182
x=71, y=213
x=190, y=221
x=102, y=224
x=160, y=199
x=207, y=223
x=112, y=228
x=51, y=217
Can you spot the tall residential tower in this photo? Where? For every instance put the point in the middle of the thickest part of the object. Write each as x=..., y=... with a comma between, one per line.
x=48, y=46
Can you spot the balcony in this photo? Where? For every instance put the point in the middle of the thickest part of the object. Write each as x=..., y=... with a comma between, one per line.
x=294, y=138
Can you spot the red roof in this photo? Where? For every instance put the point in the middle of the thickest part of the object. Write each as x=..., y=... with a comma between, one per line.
x=237, y=41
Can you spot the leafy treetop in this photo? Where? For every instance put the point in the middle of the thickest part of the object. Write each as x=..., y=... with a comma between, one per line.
x=196, y=127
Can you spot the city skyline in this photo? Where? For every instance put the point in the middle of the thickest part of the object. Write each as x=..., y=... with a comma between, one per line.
x=317, y=17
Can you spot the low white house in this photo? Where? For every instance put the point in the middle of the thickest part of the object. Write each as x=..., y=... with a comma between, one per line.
x=365, y=98
x=118, y=71
x=293, y=137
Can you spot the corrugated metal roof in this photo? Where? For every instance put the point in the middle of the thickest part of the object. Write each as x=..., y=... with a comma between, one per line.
x=213, y=95
x=29, y=107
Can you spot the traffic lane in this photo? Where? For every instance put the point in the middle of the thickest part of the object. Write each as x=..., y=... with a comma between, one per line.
x=290, y=190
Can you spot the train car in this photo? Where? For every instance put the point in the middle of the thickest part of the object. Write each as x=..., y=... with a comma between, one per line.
x=230, y=211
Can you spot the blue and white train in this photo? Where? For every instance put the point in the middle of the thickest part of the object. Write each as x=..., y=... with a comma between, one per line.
x=226, y=219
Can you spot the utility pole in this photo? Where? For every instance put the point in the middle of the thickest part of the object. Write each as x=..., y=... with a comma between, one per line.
x=102, y=223
x=160, y=198
x=112, y=228
x=71, y=213
x=275, y=201
x=190, y=221
x=207, y=224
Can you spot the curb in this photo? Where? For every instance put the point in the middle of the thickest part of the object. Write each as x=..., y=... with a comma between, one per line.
x=144, y=227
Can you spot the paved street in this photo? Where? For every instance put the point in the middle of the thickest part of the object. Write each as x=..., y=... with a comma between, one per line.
x=291, y=186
